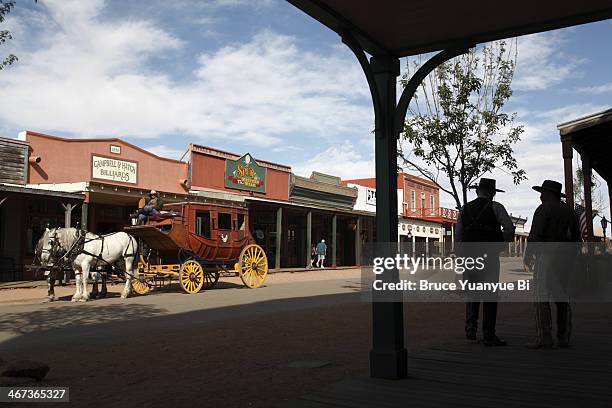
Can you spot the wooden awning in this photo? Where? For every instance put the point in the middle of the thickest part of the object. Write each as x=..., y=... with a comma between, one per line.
x=410, y=27
x=591, y=136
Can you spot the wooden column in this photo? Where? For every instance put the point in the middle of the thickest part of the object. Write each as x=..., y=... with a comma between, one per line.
x=333, y=240
x=67, y=214
x=308, y=238
x=358, y=242
x=588, y=203
x=84, y=208
x=279, y=233
x=610, y=201
x=568, y=154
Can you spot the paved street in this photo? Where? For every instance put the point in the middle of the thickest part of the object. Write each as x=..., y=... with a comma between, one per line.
x=230, y=346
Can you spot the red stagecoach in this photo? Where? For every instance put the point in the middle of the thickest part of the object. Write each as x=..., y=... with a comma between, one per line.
x=195, y=243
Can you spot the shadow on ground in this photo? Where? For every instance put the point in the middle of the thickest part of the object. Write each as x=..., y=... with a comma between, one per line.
x=74, y=315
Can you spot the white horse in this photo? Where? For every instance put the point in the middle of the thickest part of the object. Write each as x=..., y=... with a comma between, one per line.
x=89, y=250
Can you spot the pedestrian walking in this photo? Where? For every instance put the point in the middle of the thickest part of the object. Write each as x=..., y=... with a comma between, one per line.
x=321, y=252
x=554, y=221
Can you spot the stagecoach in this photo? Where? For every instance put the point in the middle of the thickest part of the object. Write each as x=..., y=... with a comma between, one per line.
x=195, y=243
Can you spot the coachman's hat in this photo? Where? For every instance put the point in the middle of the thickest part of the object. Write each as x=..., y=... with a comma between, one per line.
x=487, y=184
x=552, y=186
x=152, y=193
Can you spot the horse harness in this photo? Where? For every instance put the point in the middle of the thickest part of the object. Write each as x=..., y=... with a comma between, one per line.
x=78, y=248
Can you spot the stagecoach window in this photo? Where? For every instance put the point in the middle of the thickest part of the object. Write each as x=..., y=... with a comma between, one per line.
x=203, y=223
x=241, y=225
x=224, y=221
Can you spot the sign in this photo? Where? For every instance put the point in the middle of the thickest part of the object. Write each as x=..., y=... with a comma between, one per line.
x=105, y=168
x=115, y=149
x=370, y=196
x=245, y=174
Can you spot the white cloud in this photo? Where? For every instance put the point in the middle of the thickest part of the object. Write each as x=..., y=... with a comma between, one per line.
x=92, y=77
x=341, y=160
x=541, y=63
x=596, y=89
x=166, y=151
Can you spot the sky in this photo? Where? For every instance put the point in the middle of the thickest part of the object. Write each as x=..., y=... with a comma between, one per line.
x=259, y=76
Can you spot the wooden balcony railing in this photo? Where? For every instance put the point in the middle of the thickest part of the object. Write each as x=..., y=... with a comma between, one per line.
x=438, y=213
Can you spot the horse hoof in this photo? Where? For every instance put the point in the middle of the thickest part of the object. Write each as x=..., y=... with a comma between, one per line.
x=103, y=295
x=74, y=299
x=84, y=300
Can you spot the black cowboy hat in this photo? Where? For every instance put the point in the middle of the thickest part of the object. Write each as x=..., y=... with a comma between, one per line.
x=487, y=184
x=552, y=186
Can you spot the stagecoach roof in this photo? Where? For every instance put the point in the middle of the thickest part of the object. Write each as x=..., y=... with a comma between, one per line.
x=403, y=28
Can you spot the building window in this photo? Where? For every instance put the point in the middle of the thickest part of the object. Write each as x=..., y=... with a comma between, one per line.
x=412, y=199
x=203, y=223
x=224, y=221
x=422, y=200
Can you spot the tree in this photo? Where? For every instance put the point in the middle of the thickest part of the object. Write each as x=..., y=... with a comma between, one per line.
x=597, y=201
x=5, y=35
x=456, y=127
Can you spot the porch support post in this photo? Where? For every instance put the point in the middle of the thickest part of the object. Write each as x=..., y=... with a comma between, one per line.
x=568, y=154
x=610, y=201
x=388, y=357
x=588, y=203
x=358, y=241
x=333, y=240
x=67, y=214
x=308, y=239
x=279, y=232
x=84, y=211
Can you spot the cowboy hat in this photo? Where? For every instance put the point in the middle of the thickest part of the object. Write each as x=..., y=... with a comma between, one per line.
x=487, y=184
x=152, y=192
x=550, y=185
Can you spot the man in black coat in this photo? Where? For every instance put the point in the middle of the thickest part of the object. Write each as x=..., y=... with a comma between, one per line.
x=550, y=253
x=483, y=222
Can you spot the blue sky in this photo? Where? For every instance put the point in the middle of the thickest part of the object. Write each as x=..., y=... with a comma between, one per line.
x=257, y=76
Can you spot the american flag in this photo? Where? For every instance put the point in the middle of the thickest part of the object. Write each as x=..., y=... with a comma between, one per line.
x=581, y=212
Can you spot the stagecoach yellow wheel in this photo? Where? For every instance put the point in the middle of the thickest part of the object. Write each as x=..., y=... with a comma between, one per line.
x=191, y=276
x=140, y=285
x=253, y=266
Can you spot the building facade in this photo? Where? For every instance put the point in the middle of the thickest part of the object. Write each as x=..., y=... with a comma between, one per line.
x=25, y=212
x=114, y=176
x=421, y=221
x=288, y=213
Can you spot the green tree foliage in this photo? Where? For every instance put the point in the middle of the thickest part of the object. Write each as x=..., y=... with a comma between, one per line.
x=5, y=35
x=456, y=130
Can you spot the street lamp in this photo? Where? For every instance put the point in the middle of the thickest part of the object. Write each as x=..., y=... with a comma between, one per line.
x=604, y=225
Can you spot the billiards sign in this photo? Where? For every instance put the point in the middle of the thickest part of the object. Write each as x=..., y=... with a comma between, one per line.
x=245, y=174
x=110, y=169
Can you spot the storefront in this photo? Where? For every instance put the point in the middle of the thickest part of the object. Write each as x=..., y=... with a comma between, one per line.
x=26, y=212
x=113, y=176
x=288, y=214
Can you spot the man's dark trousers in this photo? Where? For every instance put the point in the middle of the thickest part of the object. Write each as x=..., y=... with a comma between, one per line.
x=489, y=300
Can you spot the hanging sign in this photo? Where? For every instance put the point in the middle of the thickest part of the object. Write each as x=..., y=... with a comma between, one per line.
x=245, y=174
x=105, y=168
